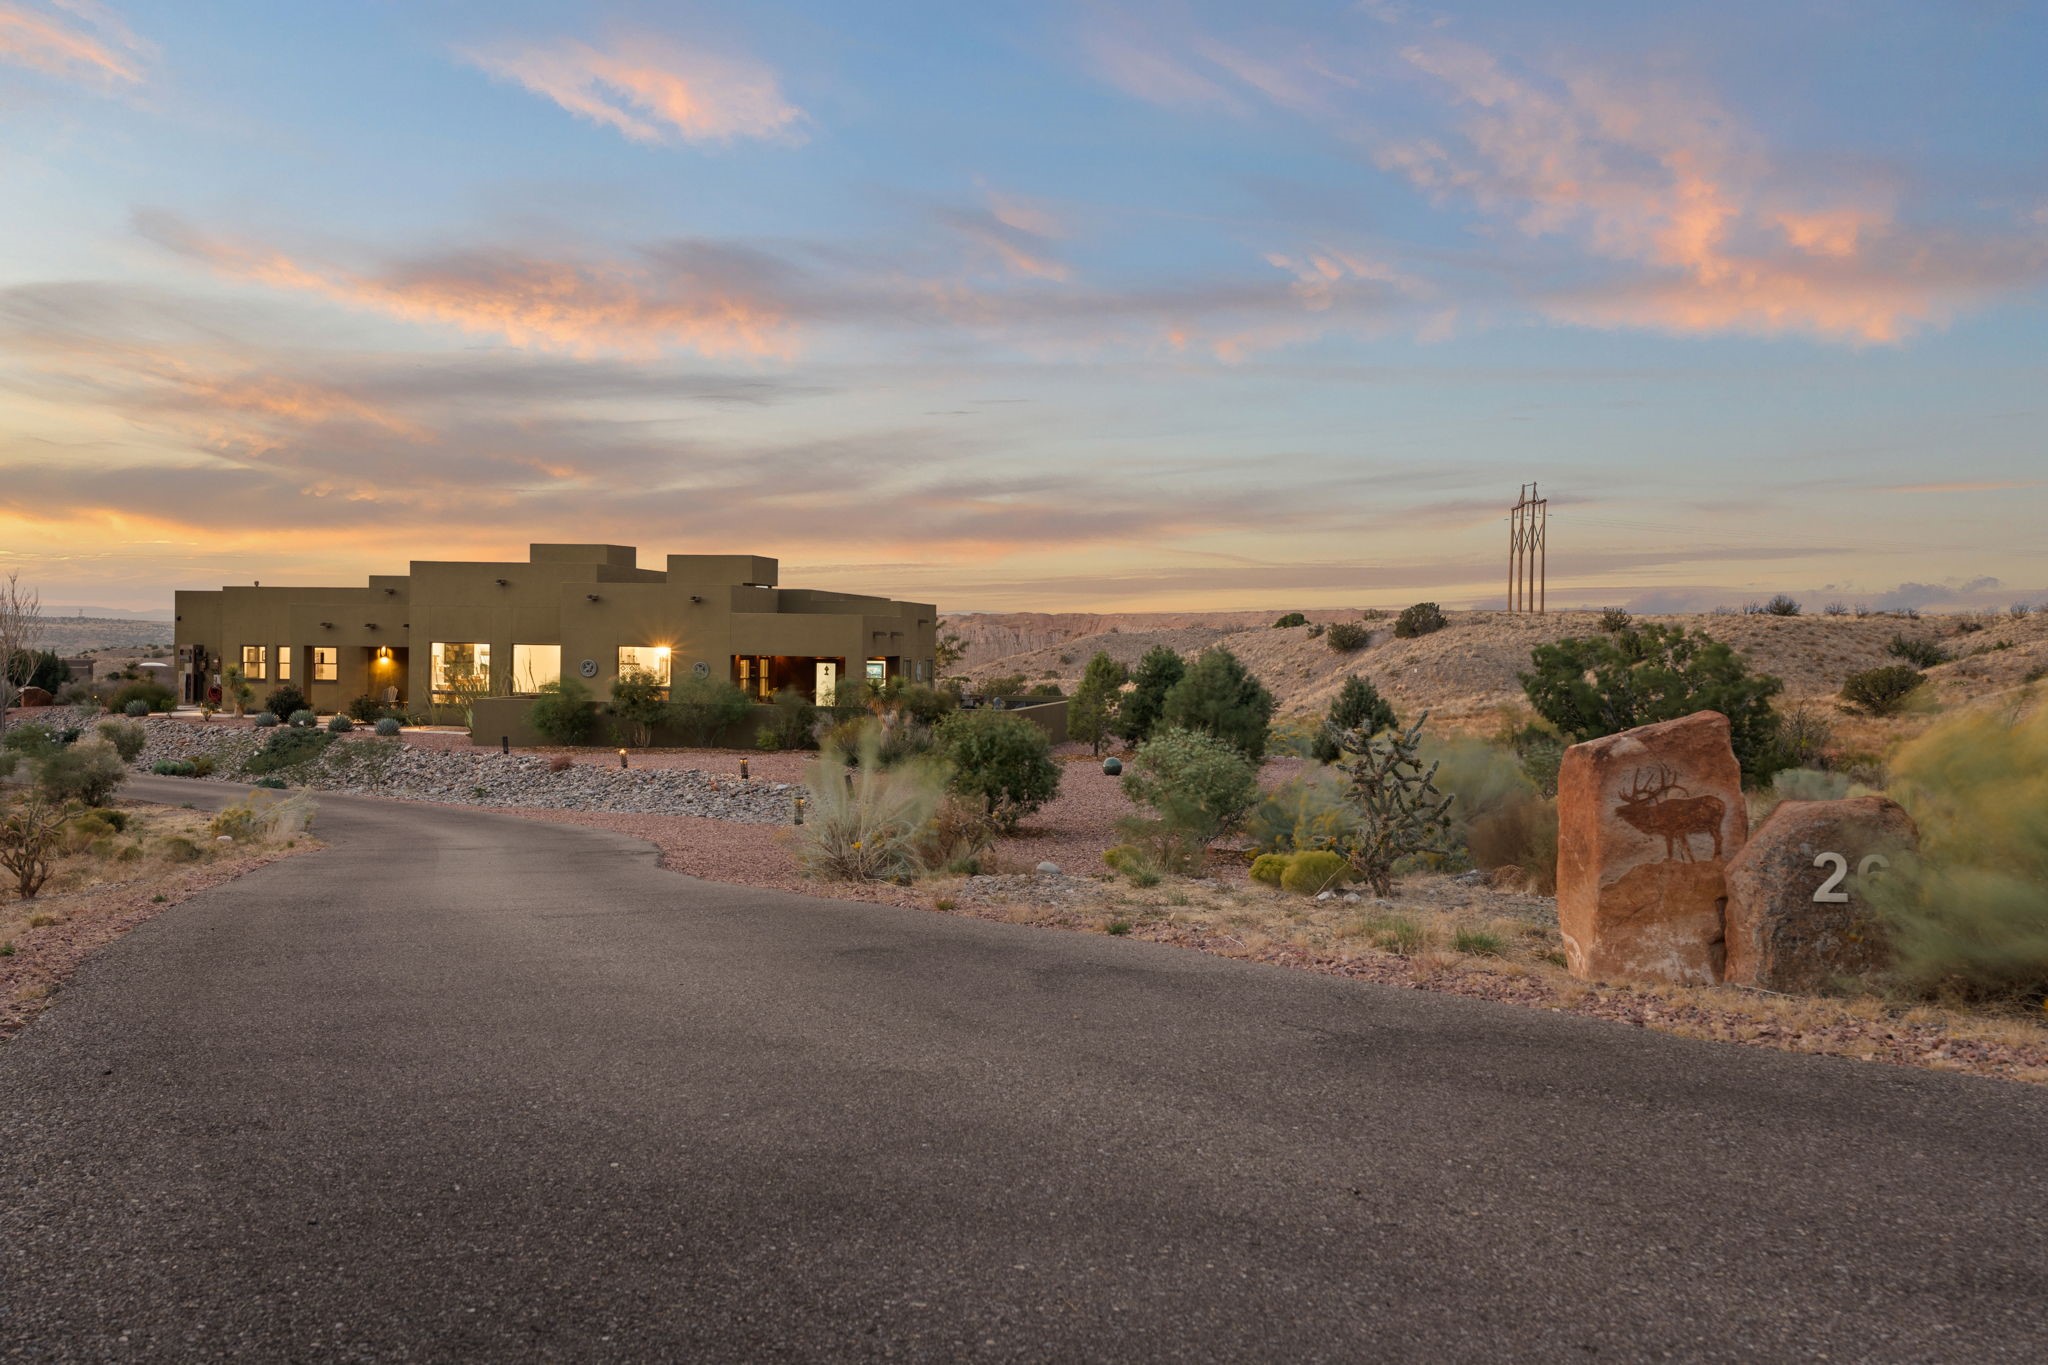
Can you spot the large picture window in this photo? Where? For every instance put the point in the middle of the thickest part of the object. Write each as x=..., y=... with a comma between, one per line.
x=461, y=666
x=284, y=663
x=534, y=667
x=255, y=662
x=645, y=659
x=326, y=664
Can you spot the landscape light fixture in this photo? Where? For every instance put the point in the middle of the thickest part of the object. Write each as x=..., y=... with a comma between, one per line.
x=622, y=758
x=743, y=769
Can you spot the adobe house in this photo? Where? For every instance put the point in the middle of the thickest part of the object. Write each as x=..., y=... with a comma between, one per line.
x=587, y=612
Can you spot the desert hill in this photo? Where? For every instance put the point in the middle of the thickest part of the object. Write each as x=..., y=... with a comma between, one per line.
x=74, y=634
x=1467, y=671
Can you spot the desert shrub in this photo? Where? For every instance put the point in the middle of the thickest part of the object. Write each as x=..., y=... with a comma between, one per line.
x=1400, y=812
x=265, y=719
x=174, y=767
x=202, y=765
x=1292, y=618
x=1614, y=619
x=284, y=699
x=1540, y=751
x=1315, y=628
x=1966, y=914
x=561, y=713
x=1154, y=677
x=364, y=709
x=260, y=815
x=1424, y=618
x=1478, y=943
x=1313, y=871
x=136, y=709
x=1781, y=605
x=1045, y=689
x=77, y=694
x=1091, y=712
x=1270, y=867
x=1295, y=736
x=153, y=696
x=1308, y=811
x=1835, y=609
x=31, y=832
x=84, y=830
x=1359, y=708
x=1810, y=784
x=116, y=820
x=9, y=761
x=1348, y=636
x=126, y=736
x=289, y=747
x=865, y=822
x=387, y=726
x=956, y=840
x=89, y=771
x=1600, y=685
x=1003, y=761
x=1498, y=818
x=1136, y=864
x=302, y=720
x=1219, y=696
x=31, y=741
x=1919, y=653
x=791, y=718
x=842, y=735
x=639, y=703
x=1881, y=691
x=1006, y=686
x=176, y=848
x=1198, y=786
x=2019, y=610
x=1804, y=734
x=926, y=704
x=701, y=710
x=276, y=784
x=340, y=724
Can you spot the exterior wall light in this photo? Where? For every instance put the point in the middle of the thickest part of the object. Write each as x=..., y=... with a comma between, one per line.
x=327, y=625
x=590, y=597
x=503, y=582
x=695, y=598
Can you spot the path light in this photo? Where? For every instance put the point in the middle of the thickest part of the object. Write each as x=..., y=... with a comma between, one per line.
x=622, y=758
x=504, y=744
x=799, y=810
x=743, y=770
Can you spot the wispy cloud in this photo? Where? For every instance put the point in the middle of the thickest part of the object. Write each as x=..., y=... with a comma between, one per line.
x=1015, y=231
x=649, y=90
x=1963, y=486
x=81, y=42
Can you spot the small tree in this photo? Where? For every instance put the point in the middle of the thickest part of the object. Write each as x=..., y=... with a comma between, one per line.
x=21, y=614
x=1881, y=691
x=1138, y=710
x=561, y=712
x=89, y=771
x=1091, y=712
x=1004, y=761
x=1348, y=637
x=234, y=688
x=703, y=709
x=1200, y=786
x=1359, y=706
x=639, y=703
x=1219, y=696
x=947, y=651
x=30, y=834
x=1400, y=811
x=1292, y=618
x=285, y=699
x=1424, y=618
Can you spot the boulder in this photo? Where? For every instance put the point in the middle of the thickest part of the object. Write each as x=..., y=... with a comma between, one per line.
x=1647, y=821
x=1797, y=917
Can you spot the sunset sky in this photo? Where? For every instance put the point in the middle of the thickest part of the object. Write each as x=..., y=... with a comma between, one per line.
x=1033, y=306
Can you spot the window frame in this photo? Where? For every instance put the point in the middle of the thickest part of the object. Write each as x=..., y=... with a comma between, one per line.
x=259, y=671
x=326, y=664
x=284, y=663
x=663, y=668
x=522, y=676
x=437, y=676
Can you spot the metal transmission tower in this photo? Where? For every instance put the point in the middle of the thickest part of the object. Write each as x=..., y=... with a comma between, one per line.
x=1528, y=522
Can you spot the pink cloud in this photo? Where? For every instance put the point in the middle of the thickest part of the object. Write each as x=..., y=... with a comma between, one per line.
x=57, y=47
x=651, y=91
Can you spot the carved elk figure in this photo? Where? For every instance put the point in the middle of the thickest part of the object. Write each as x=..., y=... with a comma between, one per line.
x=1649, y=805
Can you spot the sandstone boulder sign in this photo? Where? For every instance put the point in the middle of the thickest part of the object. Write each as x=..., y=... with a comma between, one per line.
x=1647, y=822
x=1797, y=917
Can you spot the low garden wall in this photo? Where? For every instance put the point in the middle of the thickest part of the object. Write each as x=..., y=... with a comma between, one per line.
x=497, y=719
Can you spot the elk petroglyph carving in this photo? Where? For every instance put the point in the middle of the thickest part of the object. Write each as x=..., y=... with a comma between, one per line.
x=1649, y=806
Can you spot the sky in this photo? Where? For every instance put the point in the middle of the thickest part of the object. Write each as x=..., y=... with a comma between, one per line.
x=1038, y=306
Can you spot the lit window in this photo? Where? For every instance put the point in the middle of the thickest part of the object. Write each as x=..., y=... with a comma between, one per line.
x=284, y=663
x=534, y=667
x=461, y=667
x=255, y=661
x=878, y=671
x=326, y=664
x=645, y=659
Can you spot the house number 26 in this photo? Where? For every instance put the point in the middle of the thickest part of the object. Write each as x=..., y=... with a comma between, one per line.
x=1829, y=891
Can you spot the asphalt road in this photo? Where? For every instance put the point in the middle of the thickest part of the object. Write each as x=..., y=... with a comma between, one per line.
x=465, y=1087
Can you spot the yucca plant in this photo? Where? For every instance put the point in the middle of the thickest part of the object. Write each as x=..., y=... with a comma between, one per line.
x=864, y=822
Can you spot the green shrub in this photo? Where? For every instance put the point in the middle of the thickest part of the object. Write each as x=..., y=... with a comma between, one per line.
x=1270, y=867
x=202, y=765
x=289, y=747
x=1359, y=708
x=1091, y=713
x=792, y=717
x=1478, y=943
x=562, y=713
x=89, y=771
x=388, y=726
x=302, y=720
x=1348, y=636
x=340, y=724
x=1601, y=685
x=285, y=699
x=1881, y=691
x=153, y=696
x=1004, y=761
x=701, y=710
x=174, y=767
x=265, y=719
x=1614, y=620
x=1781, y=605
x=1135, y=864
x=136, y=708
x=924, y=703
x=276, y=784
x=176, y=848
x=1139, y=709
x=1200, y=787
x=1006, y=686
x=1292, y=618
x=1308, y=811
x=1919, y=653
x=1804, y=734
x=639, y=703
x=1219, y=696
x=1498, y=818
x=1967, y=915
x=1424, y=618
x=31, y=741
x=1314, y=871
x=126, y=736
x=36, y=668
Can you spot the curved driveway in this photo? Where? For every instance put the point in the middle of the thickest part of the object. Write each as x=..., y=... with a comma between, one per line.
x=468, y=1087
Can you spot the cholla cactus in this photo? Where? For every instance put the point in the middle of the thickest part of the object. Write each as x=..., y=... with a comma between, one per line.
x=1400, y=811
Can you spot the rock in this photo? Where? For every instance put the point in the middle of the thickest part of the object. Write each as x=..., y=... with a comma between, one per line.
x=1352, y=898
x=1326, y=895
x=1647, y=822
x=1476, y=877
x=1795, y=918
x=1113, y=766
x=1049, y=869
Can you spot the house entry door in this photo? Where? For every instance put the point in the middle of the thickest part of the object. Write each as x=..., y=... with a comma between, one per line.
x=828, y=681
